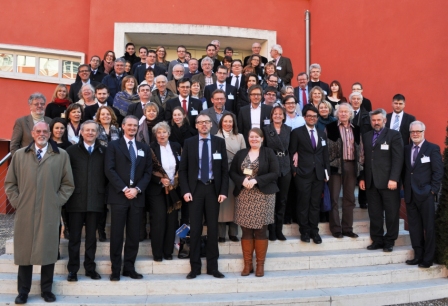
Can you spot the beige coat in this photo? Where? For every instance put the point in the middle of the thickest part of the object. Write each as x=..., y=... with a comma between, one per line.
x=234, y=143
x=37, y=191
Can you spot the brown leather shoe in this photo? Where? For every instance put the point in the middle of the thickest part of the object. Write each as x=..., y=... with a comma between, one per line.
x=261, y=247
x=248, y=253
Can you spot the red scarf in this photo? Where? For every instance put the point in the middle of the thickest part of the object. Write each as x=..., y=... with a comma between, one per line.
x=63, y=102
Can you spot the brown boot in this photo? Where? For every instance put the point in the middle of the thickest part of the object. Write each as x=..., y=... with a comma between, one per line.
x=248, y=253
x=261, y=247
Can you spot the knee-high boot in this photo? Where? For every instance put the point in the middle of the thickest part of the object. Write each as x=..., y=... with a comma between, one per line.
x=261, y=247
x=248, y=253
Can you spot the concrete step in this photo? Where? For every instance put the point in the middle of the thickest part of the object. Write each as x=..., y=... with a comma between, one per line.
x=292, y=244
x=174, y=284
x=372, y=295
x=234, y=262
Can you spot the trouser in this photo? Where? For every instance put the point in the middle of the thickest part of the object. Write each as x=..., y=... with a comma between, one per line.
x=102, y=220
x=233, y=229
x=25, y=275
x=291, y=204
x=281, y=197
x=78, y=219
x=348, y=182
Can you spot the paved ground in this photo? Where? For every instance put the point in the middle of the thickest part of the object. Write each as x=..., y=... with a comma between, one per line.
x=6, y=230
x=442, y=302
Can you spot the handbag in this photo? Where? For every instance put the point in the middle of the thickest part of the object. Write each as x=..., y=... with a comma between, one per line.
x=325, y=204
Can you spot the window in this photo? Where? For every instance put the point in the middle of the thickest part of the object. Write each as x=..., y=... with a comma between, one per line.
x=39, y=64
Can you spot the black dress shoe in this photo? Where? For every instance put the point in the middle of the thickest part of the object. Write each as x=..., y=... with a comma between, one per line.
x=66, y=234
x=375, y=246
x=93, y=274
x=114, y=277
x=168, y=257
x=305, y=237
x=338, y=235
x=413, y=262
x=48, y=297
x=388, y=248
x=192, y=275
x=22, y=298
x=158, y=259
x=72, y=277
x=132, y=274
x=350, y=234
x=316, y=239
x=102, y=236
x=424, y=265
x=221, y=239
x=216, y=274
x=234, y=238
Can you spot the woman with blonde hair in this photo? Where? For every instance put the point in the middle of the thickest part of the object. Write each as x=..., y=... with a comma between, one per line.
x=59, y=102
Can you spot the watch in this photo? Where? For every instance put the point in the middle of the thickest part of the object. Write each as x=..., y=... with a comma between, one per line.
x=138, y=189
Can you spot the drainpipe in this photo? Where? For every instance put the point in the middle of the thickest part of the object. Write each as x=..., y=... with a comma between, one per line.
x=307, y=41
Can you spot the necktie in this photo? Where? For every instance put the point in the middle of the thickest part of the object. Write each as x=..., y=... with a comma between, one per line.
x=39, y=157
x=396, y=122
x=304, y=96
x=414, y=156
x=237, y=83
x=356, y=113
x=90, y=150
x=220, y=86
x=184, y=105
x=133, y=158
x=375, y=137
x=313, y=141
x=204, y=161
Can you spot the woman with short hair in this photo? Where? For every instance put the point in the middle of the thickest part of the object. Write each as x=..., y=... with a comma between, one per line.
x=127, y=96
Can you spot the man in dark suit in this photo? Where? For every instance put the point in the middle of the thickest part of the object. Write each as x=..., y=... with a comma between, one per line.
x=136, y=109
x=211, y=53
x=204, y=182
x=95, y=74
x=423, y=173
x=315, y=81
x=310, y=172
x=302, y=91
x=399, y=120
x=191, y=105
x=366, y=104
x=383, y=161
x=193, y=65
x=143, y=52
x=84, y=75
x=256, y=48
x=150, y=62
x=128, y=167
x=283, y=64
x=236, y=78
x=230, y=91
x=113, y=80
x=217, y=111
x=255, y=114
x=101, y=95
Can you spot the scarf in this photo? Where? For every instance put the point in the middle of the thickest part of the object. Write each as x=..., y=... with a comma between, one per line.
x=144, y=131
x=62, y=102
x=37, y=118
x=122, y=101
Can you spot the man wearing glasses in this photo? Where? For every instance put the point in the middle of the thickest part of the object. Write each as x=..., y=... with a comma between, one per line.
x=398, y=119
x=181, y=53
x=191, y=106
x=230, y=91
x=204, y=183
x=84, y=75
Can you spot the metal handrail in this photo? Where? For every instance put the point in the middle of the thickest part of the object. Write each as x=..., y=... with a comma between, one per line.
x=4, y=159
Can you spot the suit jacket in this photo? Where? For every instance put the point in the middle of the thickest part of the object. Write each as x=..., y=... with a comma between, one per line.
x=380, y=166
x=268, y=171
x=140, y=72
x=193, y=104
x=155, y=97
x=114, y=85
x=230, y=91
x=200, y=77
x=215, y=123
x=321, y=84
x=404, y=126
x=279, y=143
x=90, y=111
x=284, y=69
x=245, y=120
x=366, y=104
x=216, y=64
x=155, y=187
x=310, y=160
x=136, y=110
x=76, y=87
x=135, y=66
x=189, y=165
x=422, y=179
x=242, y=82
x=362, y=120
x=117, y=167
x=21, y=133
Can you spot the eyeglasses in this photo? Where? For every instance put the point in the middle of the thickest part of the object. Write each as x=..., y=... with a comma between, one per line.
x=416, y=132
x=39, y=104
x=203, y=122
x=41, y=131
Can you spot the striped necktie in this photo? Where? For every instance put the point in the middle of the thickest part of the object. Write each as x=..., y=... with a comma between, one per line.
x=396, y=123
x=38, y=155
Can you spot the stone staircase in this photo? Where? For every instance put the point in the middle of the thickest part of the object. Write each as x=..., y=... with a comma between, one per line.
x=336, y=272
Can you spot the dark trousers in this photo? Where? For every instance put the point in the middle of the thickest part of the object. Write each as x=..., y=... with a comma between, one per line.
x=102, y=220
x=362, y=198
x=422, y=228
x=205, y=203
x=383, y=202
x=25, y=275
x=184, y=213
x=308, y=208
x=78, y=219
x=281, y=198
x=348, y=182
x=122, y=216
x=163, y=225
x=291, y=203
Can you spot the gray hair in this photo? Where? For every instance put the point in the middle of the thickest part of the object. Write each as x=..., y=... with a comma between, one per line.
x=318, y=88
x=417, y=122
x=120, y=60
x=179, y=65
x=328, y=104
x=355, y=93
x=278, y=48
x=216, y=42
x=48, y=126
x=88, y=122
x=91, y=89
x=285, y=88
x=129, y=117
x=161, y=76
x=377, y=112
x=315, y=66
x=161, y=125
x=350, y=110
x=207, y=59
x=151, y=104
x=35, y=96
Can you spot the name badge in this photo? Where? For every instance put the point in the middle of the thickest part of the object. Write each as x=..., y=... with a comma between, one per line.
x=247, y=171
x=324, y=143
x=262, y=64
x=62, y=115
x=141, y=153
x=194, y=112
x=266, y=121
x=185, y=65
x=325, y=92
x=217, y=155
x=230, y=97
x=384, y=146
x=279, y=68
x=425, y=159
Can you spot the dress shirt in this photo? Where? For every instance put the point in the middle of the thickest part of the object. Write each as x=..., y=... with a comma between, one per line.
x=295, y=122
x=208, y=80
x=188, y=101
x=314, y=133
x=301, y=95
x=348, y=141
x=400, y=117
x=44, y=149
x=133, y=144
x=168, y=161
x=87, y=146
x=102, y=104
x=218, y=85
x=233, y=80
x=356, y=112
x=201, y=144
x=255, y=114
x=152, y=66
x=412, y=151
x=84, y=83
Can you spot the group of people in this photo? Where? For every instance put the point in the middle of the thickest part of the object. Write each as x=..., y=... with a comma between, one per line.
x=236, y=150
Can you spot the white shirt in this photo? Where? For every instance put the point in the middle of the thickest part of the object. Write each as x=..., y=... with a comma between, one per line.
x=44, y=150
x=314, y=133
x=233, y=81
x=295, y=122
x=84, y=83
x=168, y=161
x=400, y=117
x=101, y=104
x=147, y=66
x=87, y=146
x=255, y=115
x=188, y=101
x=133, y=144
x=218, y=86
